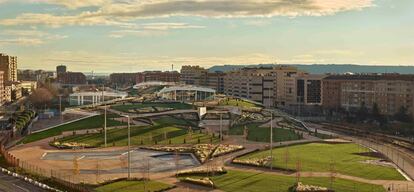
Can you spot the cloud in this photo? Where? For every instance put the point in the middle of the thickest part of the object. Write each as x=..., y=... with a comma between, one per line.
x=121, y=12
x=130, y=62
x=74, y=4
x=151, y=29
x=27, y=37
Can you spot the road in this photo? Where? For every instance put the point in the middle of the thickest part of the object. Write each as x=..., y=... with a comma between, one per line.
x=9, y=183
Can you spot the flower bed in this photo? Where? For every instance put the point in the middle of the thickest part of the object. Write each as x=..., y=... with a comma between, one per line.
x=202, y=171
x=203, y=151
x=255, y=162
x=299, y=187
x=207, y=182
x=169, y=149
x=69, y=145
x=224, y=149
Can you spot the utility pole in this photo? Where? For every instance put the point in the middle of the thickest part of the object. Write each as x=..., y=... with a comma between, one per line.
x=271, y=141
x=103, y=100
x=129, y=149
x=60, y=108
x=221, y=127
x=271, y=134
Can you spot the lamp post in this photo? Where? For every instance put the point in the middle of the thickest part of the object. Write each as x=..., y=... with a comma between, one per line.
x=60, y=108
x=129, y=147
x=103, y=100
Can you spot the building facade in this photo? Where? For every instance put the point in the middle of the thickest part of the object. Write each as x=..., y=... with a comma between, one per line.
x=3, y=95
x=216, y=81
x=256, y=84
x=60, y=69
x=8, y=64
x=389, y=92
x=71, y=78
x=193, y=75
x=162, y=76
x=123, y=79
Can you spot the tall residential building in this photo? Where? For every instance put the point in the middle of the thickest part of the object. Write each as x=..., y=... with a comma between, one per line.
x=193, y=75
x=389, y=92
x=309, y=89
x=60, y=69
x=216, y=81
x=8, y=64
x=256, y=84
x=286, y=85
x=2, y=89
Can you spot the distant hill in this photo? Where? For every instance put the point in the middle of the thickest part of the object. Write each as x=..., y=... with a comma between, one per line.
x=331, y=68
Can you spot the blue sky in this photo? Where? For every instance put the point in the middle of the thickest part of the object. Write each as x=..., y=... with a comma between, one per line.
x=137, y=35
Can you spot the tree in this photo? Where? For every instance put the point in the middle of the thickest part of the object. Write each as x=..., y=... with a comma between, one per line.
x=402, y=115
x=41, y=97
x=377, y=116
x=362, y=113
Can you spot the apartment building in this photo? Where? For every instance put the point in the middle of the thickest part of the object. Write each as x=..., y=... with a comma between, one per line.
x=389, y=91
x=193, y=75
x=286, y=85
x=121, y=79
x=309, y=89
x=216, y=81
x=166, y=76
x=3, y=95
x=8, y=64
x=256, y=84
x=71, y=78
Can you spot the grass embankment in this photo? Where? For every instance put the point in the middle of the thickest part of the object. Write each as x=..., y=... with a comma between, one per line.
x=262, y=134
x=88, y=123
x=323, y=157
x=238, y=103
x=252, y=181
x=127, y=107
x=134, y=186
x=165, y=131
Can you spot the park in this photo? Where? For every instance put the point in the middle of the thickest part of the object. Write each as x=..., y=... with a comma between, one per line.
x=148, y=145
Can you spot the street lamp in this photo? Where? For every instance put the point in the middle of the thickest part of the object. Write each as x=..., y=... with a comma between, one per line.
x=129, y=147
x=103, y=100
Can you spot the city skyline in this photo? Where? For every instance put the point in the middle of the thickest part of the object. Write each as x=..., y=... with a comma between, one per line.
x=125, y=35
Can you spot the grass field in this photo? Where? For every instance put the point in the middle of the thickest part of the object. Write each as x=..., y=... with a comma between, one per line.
x=133, y=186
x=127, y=107
x=320, y=157
x=238, y=103
x=141, y=135
x=262, y=134
x=249, y=181
x=88, y=123
x=164, y=131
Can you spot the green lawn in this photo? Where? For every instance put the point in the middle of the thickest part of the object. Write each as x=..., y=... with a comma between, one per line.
x=141, y=135
x=88, y=123
x=238, y=103
x=164, y=131
x=249, y=181
x=125, y=108
x=262, y=134
x=319, y=157
x=134, y=186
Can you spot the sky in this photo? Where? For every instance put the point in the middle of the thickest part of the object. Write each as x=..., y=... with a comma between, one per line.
x=108, y=36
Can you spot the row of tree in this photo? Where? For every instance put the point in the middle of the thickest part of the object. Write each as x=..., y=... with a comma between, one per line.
x=363, y=114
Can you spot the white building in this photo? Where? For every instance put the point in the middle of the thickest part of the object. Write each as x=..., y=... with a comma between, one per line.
x=187, y=93
x=86, y=98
